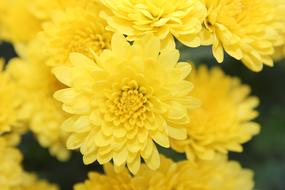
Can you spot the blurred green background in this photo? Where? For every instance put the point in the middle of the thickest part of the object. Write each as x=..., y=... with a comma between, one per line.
x=265, y=154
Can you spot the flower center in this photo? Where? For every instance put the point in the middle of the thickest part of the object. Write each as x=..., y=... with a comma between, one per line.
x=130, y=104
x=84, y=42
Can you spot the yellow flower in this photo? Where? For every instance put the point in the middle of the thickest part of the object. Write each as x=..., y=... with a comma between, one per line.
x=247, y=30
x=165, y=19
x=10, y=165
x=74, y=30
x=18, y=24
x=36, y=85
x=213, y=175
x=223, y=122
x=123, y=103
x=8, y=101
x=218, y=174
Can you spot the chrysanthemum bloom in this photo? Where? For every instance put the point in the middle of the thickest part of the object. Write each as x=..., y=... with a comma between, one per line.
x=18, y=24
x=165, y=19
x=247, y=30
x=211, y=175
x=10, y=165
x=223, y=122
x=75, y=30
x=35, y=87
x=123, y=103
x=8, y=101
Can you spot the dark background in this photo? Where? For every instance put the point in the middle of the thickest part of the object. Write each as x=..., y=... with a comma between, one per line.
x=265, y=154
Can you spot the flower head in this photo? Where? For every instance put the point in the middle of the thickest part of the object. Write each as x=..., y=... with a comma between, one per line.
x=36, y=85
x=223, y=122
x=123, y=103
x=8, y=101
x=74, y=30
x=247, y=30
x=213, y=175
x=165, y=19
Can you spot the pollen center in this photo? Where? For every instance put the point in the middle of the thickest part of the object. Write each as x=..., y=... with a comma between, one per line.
x=83, y=42
x=129, y=105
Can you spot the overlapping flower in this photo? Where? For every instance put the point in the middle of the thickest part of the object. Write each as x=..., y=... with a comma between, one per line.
x=224, y=120
x=165, y=19
x=76, y=29
x=247, y=30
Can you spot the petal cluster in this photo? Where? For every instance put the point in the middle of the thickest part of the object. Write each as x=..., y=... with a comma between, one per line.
x=74, y=29
x=211, y=175
x=121, y=104
x=247, y=30
x=165, y=19
x=8, y=101
x=224, y=120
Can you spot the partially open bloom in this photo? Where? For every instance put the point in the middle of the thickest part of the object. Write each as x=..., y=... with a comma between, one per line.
x=247, y=30
x=223, y=122
x=218, y=174
x=165, y=19
x=35, y=87
x=123, y=103
x=18, y=24
x=8, y=101
x=74, y=30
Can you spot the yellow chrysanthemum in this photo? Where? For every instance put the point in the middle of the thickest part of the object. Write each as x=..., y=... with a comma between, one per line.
x=123, y=103
x=10, y=165
x=247, y=30
x=75, y=30
x=223, y=122
x=8, y=101
x=30, y=182
x=163, y=18
x=36, y=85
x=218, y=174
x=17, y=23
